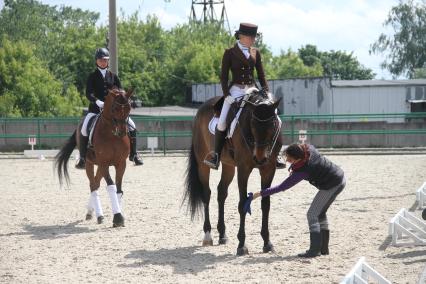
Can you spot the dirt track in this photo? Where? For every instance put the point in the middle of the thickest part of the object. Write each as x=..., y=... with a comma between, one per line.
x=45, y=239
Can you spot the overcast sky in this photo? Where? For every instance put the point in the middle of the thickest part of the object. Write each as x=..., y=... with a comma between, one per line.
x=350, y=25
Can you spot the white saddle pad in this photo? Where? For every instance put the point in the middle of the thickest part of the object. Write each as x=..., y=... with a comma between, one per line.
x=213, y=122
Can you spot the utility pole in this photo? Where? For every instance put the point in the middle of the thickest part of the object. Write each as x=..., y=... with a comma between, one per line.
x=112, y=37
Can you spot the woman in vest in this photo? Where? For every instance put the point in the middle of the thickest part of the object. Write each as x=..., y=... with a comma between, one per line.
x=308, y=164
x=241, y=59
x=99, y=82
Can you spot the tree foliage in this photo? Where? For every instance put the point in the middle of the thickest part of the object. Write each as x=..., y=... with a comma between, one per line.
x=405, y=47
x=27, y=88
x=338, y=65
x=48, y=52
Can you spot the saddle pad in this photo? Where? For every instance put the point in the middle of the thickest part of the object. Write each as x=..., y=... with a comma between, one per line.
x=213, y=122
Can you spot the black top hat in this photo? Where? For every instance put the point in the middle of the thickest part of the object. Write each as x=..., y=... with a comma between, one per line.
x=247, y=29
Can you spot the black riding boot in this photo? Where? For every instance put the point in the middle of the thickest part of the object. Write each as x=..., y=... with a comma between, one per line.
x=213, y=159
x=134, y=157
x=315, y=247
x=83, y=149
x=325, y=237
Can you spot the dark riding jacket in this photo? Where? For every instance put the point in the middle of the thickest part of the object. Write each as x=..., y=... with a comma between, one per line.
x=97, y=87
x=242, y=69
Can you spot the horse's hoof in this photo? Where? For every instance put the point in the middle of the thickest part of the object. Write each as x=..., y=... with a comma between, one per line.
x=118, y=220
x=223, y=241
x=268, y=248
x=207, y=243
x=424, y=214
x=100, y=219
x=89, y=217
x=242, y=251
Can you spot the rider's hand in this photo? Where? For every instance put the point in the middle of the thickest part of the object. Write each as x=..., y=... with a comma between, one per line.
x=100, y=103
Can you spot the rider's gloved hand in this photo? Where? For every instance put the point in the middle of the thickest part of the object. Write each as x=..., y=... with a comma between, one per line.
x=100, y=103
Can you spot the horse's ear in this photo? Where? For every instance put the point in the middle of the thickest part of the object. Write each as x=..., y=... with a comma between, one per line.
x=277, y=103
x=130, y=92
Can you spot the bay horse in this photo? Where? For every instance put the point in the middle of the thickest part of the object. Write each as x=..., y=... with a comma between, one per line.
x=111, y=147
x=255, y=143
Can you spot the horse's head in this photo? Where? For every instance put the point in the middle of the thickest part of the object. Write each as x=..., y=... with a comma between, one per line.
x=117, y=108
x=264, y=127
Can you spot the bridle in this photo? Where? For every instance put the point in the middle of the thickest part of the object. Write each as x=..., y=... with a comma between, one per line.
x=119, y=125
x=249, y=140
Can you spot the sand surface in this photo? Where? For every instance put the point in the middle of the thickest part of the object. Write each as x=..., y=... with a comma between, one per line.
x=45, y=239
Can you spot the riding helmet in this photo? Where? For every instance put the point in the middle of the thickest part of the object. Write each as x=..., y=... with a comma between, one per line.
x=102, y=53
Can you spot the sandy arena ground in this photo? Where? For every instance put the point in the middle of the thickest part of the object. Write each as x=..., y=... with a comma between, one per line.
x=45, y=239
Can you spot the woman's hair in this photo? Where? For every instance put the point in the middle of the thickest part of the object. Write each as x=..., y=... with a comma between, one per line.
x=295, y=151
x=237, y=35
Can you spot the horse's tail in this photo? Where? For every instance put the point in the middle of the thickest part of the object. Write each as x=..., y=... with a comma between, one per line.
x=61, y=159
x=194, y=189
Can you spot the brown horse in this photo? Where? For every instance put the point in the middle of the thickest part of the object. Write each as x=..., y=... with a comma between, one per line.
x=111, y=147
x=255, y=143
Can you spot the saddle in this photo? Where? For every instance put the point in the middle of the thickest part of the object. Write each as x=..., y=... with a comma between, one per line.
x=233, y=114
x=91, y=127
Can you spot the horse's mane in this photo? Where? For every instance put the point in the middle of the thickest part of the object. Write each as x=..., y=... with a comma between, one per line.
x=262, y=104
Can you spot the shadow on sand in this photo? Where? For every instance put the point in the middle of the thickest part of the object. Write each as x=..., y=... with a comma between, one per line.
x=192, y=260
x=51, y=232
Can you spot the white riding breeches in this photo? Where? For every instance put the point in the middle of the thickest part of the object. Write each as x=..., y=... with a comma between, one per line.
x=236, y=94
x=130, y=123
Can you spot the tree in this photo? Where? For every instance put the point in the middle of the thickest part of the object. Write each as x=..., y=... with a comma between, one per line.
x=64, y=38
x=27, y=88
x=290, y=65
x=405, y=48
x=338, y=65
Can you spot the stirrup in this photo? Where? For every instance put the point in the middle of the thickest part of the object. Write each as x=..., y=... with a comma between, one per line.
x=280, y=164
x=81, y=165
x=211, y=162
x=136, y=159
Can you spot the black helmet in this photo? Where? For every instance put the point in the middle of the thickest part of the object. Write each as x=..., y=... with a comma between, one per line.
x=102, y=53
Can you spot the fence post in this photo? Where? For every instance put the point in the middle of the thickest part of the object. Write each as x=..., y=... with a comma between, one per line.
x=38, y=134
x=164, y=135
x=292, y=128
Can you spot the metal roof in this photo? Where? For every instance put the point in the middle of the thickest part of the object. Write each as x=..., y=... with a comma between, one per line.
x=377, y=83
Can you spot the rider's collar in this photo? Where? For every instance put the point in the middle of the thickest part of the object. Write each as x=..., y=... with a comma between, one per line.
x=103, y=71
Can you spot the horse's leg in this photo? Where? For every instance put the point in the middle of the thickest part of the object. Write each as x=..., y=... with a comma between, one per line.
x=119, y=173
x=118, y=219
x=204, y=174
x=228, y=173
x=267, y=175
x=94, y=186
x=243, y=175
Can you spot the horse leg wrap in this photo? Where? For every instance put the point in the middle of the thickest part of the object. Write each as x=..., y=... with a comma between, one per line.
x=96, y=202
x=120, y=199
x=112, y=192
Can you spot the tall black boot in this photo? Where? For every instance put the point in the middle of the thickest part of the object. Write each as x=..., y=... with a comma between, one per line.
x=213, y=159
x=134, y=157
x=325, y=237
x=315, y=247
x=83, y=140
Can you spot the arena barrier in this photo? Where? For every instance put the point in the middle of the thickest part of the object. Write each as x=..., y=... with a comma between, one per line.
x=362, y=272
x=421, y=196
x=407, y=229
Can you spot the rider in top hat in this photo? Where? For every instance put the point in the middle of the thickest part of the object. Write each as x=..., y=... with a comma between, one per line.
x=241, y=59
x=99, y=82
